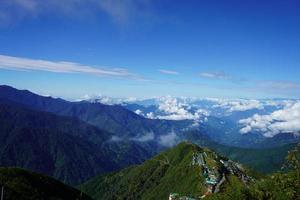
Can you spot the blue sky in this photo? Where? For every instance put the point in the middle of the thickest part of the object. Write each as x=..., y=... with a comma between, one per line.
x=145, y=48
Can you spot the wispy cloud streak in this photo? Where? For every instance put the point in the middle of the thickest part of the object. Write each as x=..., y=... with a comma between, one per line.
x=26, y=64
x=121, y=11
x=170, y=72
x=215, y=75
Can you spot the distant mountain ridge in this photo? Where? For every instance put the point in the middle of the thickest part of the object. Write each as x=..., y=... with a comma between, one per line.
x=112, y=118
x=125, y=124
x=63, y=147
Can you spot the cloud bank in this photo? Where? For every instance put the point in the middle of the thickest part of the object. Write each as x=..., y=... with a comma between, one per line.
x=286, y=120
x=144, y=138
x=174, y=109
x=238, y=105
x=169, y=139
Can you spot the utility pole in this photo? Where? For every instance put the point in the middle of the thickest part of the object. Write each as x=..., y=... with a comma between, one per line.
x=2, y=192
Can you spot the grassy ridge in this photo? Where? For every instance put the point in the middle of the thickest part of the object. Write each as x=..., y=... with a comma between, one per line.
x=170, y=171
x=265, y=161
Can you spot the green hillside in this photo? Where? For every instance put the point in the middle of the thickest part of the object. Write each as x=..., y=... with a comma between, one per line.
x=19, y=184
x=266, y=160
x=172, y=171
x=180, y=172
x=281, y=185
x=62, y=147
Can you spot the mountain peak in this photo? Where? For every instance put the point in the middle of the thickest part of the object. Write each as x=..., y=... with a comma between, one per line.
x=8, y=88
x=186, y=170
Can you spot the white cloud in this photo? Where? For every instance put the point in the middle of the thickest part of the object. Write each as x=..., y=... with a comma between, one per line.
x=26, y=64
x=144, y=138
x=141, y=138
x=130, y=100
x=107, y=100
x=187, y=116
x=170, y=72
x=169, y=139
x=245, y=105
x=115, y=139
x=85, y=97
x=138, y=112
x=174, y=109
x=150, y=115
x=215, y=75
x=238, y=105
x=203, y=112
x=99, y=98
x=121, y=11
x=286, y=120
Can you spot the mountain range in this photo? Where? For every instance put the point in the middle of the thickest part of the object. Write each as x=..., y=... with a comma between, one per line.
x=75, y=141
x=36, y=130
x=64, y=147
